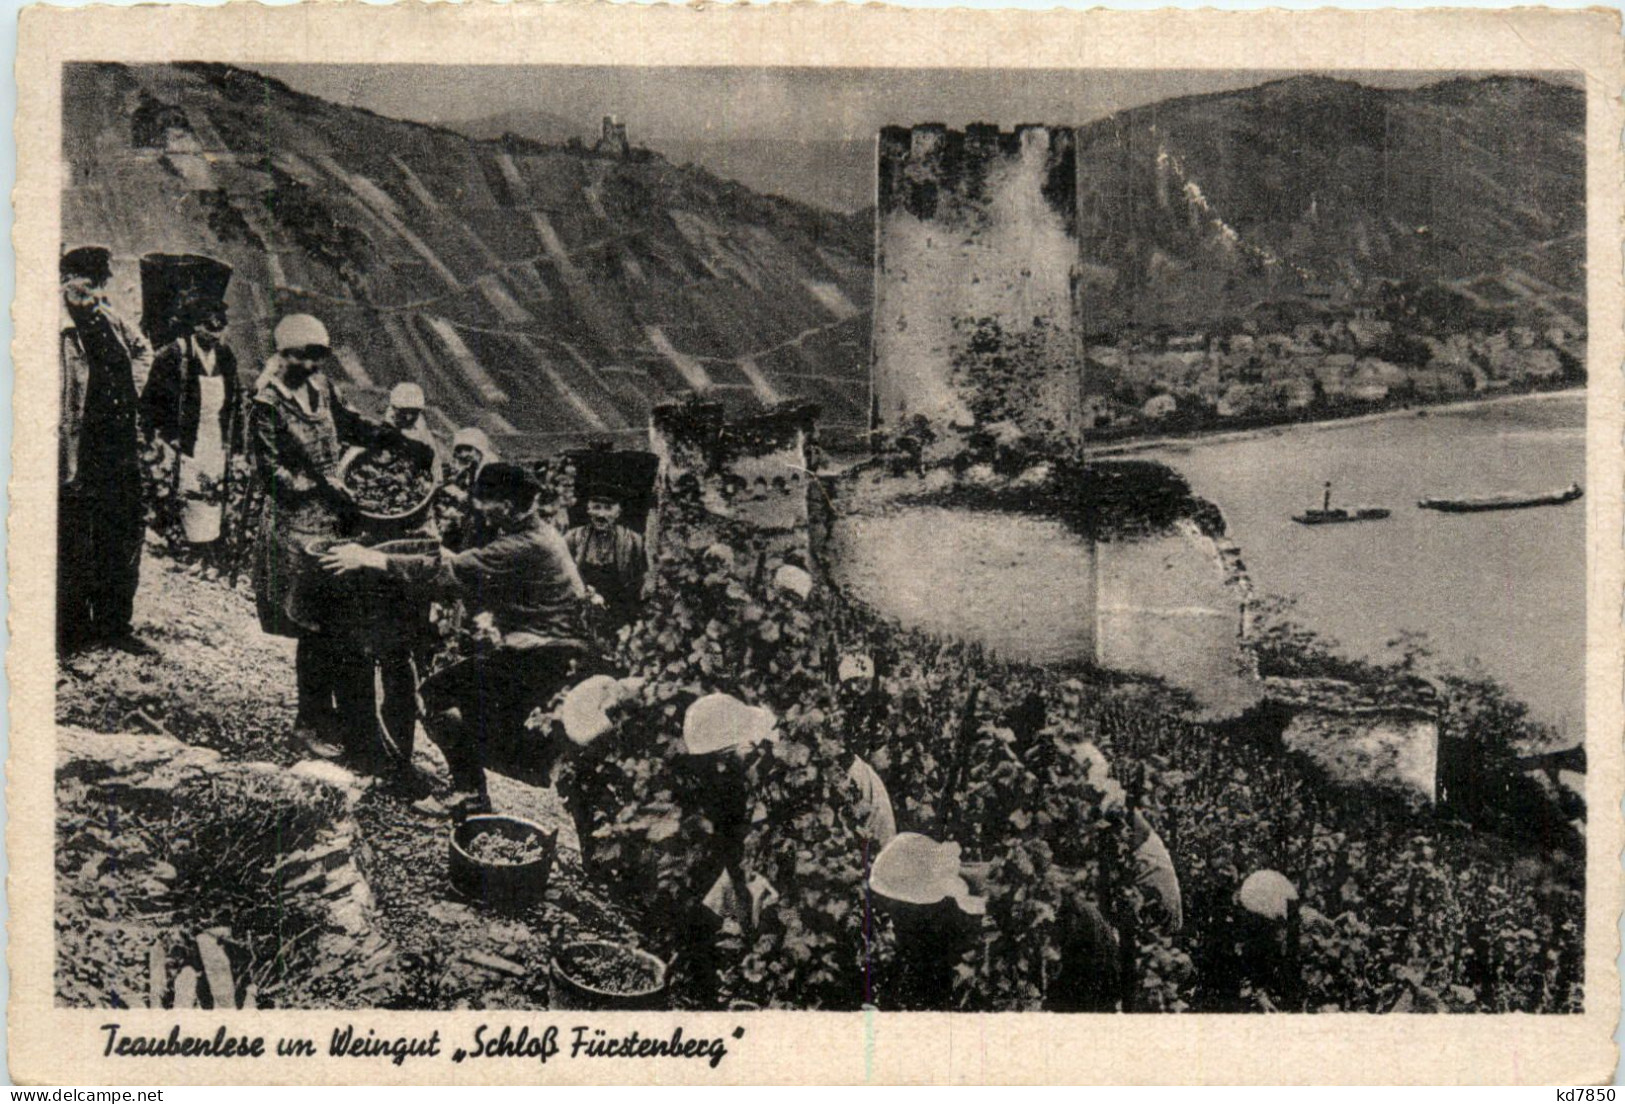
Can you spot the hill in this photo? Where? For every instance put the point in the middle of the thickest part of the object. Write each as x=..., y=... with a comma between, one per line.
x=543, y=292
x=835, y=175
x=1198, y=207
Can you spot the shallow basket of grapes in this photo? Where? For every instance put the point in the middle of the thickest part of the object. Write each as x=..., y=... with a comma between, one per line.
x=388, y=485
x=502, y=862
x=598, y=975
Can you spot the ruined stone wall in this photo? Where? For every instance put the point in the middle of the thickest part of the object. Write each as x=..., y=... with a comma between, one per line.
x=1380, y=736
x=1391, y=751
x=750, y=472
x=976, y=241
x=966, y=554
x=1176, y=606
x=972, y=554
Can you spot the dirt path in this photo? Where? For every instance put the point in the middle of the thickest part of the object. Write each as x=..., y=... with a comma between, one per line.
x=210, y=677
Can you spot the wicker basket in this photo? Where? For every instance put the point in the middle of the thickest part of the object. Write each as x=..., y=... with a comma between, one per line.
x=572, y=991
x=400, y=518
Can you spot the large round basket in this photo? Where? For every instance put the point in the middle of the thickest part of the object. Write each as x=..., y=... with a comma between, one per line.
x=508, y=887
x=348, y=461
x=575, y=986
x=380, y=612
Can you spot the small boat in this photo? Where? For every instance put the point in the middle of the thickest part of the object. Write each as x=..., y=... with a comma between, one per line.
x=1328, y=516
x=1511, y=501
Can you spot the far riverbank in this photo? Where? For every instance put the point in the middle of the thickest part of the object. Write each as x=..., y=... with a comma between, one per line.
x=1178, y=442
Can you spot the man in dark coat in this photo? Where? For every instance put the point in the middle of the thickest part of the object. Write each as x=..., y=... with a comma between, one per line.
x=524, y=578
x=100, y=524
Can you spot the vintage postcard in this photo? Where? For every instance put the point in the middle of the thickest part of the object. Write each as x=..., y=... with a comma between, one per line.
x=573, y=543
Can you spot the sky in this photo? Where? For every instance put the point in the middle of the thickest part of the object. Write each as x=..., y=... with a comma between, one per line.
x=787, y=103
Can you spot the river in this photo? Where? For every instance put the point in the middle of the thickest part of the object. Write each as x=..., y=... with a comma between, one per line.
x=1505, y=588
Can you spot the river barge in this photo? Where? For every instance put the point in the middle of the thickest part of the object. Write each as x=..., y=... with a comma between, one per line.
x=1509, y=501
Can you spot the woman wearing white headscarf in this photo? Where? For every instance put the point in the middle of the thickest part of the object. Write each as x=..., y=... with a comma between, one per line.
x=454, y=511
x=301, y=428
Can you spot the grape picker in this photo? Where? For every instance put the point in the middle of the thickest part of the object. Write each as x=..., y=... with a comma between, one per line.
x=476, y=709
x=99, y=509
x=609, y=556
x=300, y=429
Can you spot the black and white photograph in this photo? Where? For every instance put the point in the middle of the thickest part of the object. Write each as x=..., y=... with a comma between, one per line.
x=739, y=538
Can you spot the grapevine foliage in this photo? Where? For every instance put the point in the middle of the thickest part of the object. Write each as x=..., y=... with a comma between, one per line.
x=1397, y=910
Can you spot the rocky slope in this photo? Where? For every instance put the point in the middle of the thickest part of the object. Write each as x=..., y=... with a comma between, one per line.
x=172, y=768
x=1198, y=207
x=545, y=293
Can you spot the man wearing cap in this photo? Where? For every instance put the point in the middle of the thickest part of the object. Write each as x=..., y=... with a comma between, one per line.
x=524, y=577
x=609, y=556
x=193, y=404
x=300, y=430
x=100, y=524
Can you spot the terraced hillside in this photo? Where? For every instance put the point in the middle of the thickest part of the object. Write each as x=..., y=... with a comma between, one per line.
x=545, y=293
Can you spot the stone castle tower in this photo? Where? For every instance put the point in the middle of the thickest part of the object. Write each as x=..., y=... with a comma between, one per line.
x=976, y=235
x=612, y=139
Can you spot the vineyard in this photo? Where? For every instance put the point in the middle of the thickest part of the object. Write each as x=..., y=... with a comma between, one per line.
x=1041, y=776
x=1397, y=908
